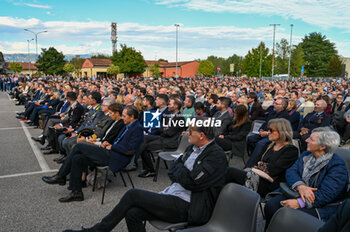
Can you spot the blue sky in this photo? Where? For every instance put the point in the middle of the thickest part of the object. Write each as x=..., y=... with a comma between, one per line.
x=208, y=27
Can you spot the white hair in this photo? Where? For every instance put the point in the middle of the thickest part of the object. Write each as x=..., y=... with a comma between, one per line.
x=327, y=137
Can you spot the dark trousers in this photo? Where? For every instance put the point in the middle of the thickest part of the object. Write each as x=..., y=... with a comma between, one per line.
x=236, y=175
x=50, y=123
x=82, y=156
x=137, y=205
x=150, y=143
x=346, y=135
x=225, y=144
x=274, y=204
x=259, y=144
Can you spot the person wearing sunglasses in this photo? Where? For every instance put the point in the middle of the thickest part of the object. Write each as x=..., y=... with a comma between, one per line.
x=268, y=168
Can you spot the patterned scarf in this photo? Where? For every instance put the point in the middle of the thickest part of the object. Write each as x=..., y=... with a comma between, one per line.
x=313, y=165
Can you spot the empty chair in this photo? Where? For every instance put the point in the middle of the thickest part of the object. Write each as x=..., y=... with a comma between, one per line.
x=344, y=153
x=168, y=155
x=292, y=220
x=236, y=210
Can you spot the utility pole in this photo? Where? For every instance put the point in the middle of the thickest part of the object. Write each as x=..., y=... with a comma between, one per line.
x=290, y=49
x=273, y=49
x=28, y=40
x=177, y=29
x=260, y=60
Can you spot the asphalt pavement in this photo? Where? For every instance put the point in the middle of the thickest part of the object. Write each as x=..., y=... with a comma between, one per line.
x=29, y=204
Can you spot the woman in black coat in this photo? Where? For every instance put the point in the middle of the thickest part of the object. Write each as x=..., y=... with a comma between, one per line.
x=277, y=157
x=238, y=131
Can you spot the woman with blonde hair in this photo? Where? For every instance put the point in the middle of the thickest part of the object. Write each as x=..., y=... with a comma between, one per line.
x=268, y=168
x=268, y=101
x=138, y=103
x=120, y=99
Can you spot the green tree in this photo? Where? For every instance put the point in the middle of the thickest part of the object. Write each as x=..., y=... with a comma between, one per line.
x=51, y=62
x=335, y=67
x=130, y=61
x=113, y=70
x=296, y=61
x=161, y=59
x=218, y=62
x=251, y=62
x=282, y=57
x=154, y=69
x=100, y=56
x=318, y=51
x=206, y=68
x=237, y=61
x=15, y=67
x=69, y=68
x=78, y=63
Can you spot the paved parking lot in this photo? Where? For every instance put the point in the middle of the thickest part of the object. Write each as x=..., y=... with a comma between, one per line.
x=29, y=204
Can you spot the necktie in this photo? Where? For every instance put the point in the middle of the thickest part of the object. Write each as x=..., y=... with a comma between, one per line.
x=121, y=136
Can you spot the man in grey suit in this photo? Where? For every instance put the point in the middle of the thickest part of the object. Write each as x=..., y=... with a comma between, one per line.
x=223, y=115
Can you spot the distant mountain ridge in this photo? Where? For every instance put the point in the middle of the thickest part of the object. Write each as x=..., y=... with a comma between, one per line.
x=23, y=57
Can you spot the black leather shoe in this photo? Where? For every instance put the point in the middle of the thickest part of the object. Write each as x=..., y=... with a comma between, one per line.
x=21, y=116
x=50, y=152
x=146, y=173
x=46, y=148
x=73, y=196
x=82, y=230
x=41, y=140
x=60, y=159
x=56, y=179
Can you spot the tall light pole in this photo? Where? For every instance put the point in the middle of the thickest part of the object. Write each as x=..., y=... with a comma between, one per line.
x=177, y=32
x=273, y=49
x=28, y=40
x=36, y=38
x=290, y=49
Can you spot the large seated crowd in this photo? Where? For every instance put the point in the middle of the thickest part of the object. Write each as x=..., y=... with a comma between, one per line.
x=289, y=130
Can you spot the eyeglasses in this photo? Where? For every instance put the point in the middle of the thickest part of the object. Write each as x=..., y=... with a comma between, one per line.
x=270, y=130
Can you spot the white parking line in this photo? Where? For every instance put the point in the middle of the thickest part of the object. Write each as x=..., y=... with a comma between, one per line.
x=10, y=128
x=27, y=174
x=39, y=156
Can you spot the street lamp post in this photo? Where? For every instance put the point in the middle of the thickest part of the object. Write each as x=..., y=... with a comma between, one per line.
x=290, y=49
x=36, y=38
x=273, y=49
x=177, y=29
x=28, y=40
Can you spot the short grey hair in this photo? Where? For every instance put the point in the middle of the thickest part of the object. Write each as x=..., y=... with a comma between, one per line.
x=324, y=103
x=327, y=137
x=108, y=101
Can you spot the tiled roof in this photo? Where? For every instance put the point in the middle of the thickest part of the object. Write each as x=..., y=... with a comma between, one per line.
x=101, y=62
x=25, y=65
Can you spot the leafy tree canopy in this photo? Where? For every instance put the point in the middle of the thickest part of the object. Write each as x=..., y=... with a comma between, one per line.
x=51, y=62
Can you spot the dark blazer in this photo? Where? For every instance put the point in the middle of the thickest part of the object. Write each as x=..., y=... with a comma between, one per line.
x=256, y=111
x=102, y=126
x=294, y=119
x=331, y=184
x=74, y=116
x=272, y=115
x=114, y=132
x=158, y=131
x=226, y=120
x=312, y=121
x=205, y=181
x=238, y=133
x=122, y=152
x=170, y=136
x=92, y=118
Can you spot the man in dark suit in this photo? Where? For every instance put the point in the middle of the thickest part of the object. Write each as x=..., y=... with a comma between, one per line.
x=162, y=105
x=254, y=107
x=116, y=155
x=190, y=198
x=223, y=115
x=71, y=120
x=313, y=120
x=168, y=139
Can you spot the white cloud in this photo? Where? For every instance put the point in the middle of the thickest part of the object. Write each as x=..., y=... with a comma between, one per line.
x=38, y=6
x=322, y=13
x=75, y=37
